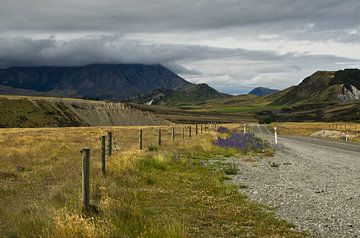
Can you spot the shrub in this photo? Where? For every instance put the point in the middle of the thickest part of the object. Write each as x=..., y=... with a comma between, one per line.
x=230, y=169
x=266, y=120
x=245, y=142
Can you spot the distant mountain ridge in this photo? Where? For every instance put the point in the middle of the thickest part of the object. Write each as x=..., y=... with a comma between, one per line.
x=96, y=81
x=262, y=91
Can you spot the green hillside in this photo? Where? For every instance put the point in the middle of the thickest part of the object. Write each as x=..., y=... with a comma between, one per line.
x=191, y=96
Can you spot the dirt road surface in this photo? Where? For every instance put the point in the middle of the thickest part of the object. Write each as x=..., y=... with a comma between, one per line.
x=313, y=183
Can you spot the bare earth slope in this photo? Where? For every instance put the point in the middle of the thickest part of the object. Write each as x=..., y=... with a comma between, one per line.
x=314, y=186
x=24, y=111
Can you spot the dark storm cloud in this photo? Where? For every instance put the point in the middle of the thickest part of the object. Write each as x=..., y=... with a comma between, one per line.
x=22, y=51
x=111, y=49
x=176, y=33
x=176, y=15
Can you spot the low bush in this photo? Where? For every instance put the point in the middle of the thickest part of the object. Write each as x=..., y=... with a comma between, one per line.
x=244, y=142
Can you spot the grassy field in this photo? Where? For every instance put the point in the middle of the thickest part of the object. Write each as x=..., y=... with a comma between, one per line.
x=249, y=108
x=172, y=191
x=309, y=128
x=196, y=115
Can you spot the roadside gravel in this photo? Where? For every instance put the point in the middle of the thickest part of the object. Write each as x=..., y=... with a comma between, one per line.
x=317, y=188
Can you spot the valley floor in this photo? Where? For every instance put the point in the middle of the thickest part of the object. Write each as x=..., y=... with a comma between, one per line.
x=312, y=185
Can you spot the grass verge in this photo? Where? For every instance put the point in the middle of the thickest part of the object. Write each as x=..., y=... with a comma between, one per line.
x=171, y=191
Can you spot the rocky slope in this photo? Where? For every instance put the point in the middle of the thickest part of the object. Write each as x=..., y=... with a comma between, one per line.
x=325, y=87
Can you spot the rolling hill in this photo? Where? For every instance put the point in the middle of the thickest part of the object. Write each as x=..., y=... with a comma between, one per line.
x=261, y=91
x=30, y=111
x=323, y=96
x=188, y=96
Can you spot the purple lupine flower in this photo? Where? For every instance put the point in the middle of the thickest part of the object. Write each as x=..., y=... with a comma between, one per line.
x=244, y=142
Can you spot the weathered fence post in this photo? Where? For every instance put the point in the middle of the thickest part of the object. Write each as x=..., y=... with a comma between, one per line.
x=159, y=137
x=86, y=179
x=109, y=145
x=201, y=128
x=102, y=153
x=173, y=134
x=190, y=131
x=196, y=129
x=183, y=133
x=140, y=139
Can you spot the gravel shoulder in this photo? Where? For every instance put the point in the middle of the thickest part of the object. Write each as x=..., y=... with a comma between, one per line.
x=315, y=187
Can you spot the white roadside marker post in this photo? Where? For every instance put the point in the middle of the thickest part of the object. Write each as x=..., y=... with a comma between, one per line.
x=275, y=132
x=244, y=128
x=347, y=136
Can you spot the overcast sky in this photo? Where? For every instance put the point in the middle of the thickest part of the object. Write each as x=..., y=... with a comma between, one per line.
x=233, y=45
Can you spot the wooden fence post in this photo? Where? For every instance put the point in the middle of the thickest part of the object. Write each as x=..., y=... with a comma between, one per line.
x=102, y=154
x=196, y=129
x=140, y=139
x=159, y=137
x=173, y=134
x=201, y=128
x=109, y=145
x=86, y=179
x=183, y=133
x=190, y=131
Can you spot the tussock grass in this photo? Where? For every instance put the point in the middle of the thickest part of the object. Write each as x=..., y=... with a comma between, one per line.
x=309, y=128
x=167, y=192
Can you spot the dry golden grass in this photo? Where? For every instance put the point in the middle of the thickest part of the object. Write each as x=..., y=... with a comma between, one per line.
x=144, y=193
x=309, y=128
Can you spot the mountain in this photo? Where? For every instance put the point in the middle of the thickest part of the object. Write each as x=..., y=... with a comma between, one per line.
x=324, y=87
x=194, y=94
x=261, y=91
x=97, y=81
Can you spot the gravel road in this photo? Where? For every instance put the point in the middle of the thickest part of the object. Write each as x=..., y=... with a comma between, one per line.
x=314, y=186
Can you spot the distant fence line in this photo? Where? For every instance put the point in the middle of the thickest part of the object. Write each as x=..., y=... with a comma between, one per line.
x=350, y=127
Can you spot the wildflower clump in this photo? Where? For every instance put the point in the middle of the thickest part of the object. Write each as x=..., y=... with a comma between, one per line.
x=245, y=142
